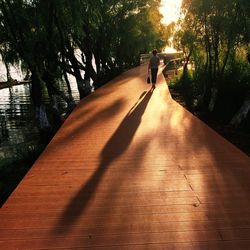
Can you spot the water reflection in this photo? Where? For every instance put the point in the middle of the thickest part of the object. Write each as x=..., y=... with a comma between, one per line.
x=16, y=113
x=17, y=118
x=20, y=142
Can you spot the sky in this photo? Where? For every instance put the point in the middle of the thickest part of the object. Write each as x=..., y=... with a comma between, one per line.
x=170, y=9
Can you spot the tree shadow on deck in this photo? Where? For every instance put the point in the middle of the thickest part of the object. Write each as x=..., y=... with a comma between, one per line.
x=115, y=146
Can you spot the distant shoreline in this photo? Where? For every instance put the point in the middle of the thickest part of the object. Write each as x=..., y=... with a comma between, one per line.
x=8, y=84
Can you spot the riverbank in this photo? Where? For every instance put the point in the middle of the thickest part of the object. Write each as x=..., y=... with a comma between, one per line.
x=15, y=168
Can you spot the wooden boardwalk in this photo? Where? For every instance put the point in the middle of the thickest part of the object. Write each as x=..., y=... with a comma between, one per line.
x=131, y=169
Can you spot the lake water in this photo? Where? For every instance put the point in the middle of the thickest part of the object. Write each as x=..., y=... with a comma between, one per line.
x=17, y=123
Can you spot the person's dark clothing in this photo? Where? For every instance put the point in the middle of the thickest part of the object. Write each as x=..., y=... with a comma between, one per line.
x=153, y=65
x=154, y=72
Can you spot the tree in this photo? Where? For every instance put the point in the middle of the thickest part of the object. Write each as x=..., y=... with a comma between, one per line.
x=93, y=40
x=216, y=27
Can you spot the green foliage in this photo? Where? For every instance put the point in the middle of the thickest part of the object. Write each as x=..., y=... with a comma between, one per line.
x=185, y=84
x=214, y=29
x=216, y=35
x=176, y=82
x=44, y=34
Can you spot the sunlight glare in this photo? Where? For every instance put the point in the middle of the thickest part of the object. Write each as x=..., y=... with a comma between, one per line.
x=169, y=50
x=170, y=9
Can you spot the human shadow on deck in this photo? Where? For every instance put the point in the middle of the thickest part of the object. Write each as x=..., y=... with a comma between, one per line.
x=115, y=146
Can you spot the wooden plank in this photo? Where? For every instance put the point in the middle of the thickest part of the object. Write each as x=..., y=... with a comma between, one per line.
x=114, y=240
x=131, y=169
x=68, y=220
x=225, y=227
x=214, y=245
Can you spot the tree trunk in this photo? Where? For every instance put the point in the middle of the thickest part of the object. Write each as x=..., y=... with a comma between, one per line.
x=71, y=103
x=76, y=70
x=36, y=94
x=242, y=113
x=205, y=99
x=87, y=56
x=98, y=64
x=48, y=79
x=53, y=90
x=225, y=59
x=185, y=66
x=214, y=94
x=27, y=75
x=7, y=71
x=88, y=70
x=68, y=85
x=42, y=117
x=36, y=90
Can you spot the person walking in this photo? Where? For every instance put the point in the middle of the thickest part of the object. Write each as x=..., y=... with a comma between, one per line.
x=153, y=65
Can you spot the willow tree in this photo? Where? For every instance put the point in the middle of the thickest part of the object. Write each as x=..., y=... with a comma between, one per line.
x=114, y=36
x=8, y=54
x=244, y=12
x=4, y=53
x=69, y=25
x=93, y=40
x=31, y=38
x=215, y=28
x=16, y=24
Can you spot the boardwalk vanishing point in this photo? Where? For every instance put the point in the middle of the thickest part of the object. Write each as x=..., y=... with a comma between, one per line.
x=132, y=169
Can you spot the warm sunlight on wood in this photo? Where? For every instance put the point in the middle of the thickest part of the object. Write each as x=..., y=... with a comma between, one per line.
x=170, y=9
